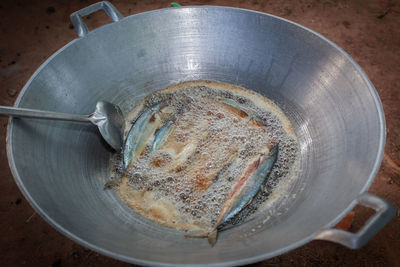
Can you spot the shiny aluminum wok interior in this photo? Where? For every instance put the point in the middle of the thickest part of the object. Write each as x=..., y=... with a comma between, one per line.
x=61, y=167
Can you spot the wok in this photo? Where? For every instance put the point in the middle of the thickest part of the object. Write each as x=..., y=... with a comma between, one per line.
x=61, y=167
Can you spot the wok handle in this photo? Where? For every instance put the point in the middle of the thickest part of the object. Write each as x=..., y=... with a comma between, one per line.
x=80, y=26
x=384, y=213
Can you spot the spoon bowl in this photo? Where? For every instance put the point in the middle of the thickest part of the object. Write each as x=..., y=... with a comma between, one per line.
x=110, y=121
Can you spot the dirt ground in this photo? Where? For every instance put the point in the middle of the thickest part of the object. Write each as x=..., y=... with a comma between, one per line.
x=33, y=30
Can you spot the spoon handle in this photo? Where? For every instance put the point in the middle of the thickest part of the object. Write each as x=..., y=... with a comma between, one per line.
x=33, y=113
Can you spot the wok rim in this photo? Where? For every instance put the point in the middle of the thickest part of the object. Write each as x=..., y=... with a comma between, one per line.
x=253, y=259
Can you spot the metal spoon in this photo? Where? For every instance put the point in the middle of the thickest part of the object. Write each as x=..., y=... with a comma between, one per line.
x=108, y=118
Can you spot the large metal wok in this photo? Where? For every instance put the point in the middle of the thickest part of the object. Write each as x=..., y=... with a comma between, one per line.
x=61, y=167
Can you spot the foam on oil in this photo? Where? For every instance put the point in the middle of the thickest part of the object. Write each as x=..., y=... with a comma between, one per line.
x=186, y=181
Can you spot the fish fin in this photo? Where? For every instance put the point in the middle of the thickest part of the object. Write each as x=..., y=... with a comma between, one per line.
x=211, y=236
x=257, y=121
x=262, y=188
x=112, y=184
x=247, y=203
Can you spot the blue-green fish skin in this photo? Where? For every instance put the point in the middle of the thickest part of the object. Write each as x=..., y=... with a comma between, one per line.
x=262, y=171
x=139, y=133
x=234, y=104
x=162, y=135
x=266, y=163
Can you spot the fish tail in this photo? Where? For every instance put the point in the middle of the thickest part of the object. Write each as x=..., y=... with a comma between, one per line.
x=112, y=183
x=211, y=236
